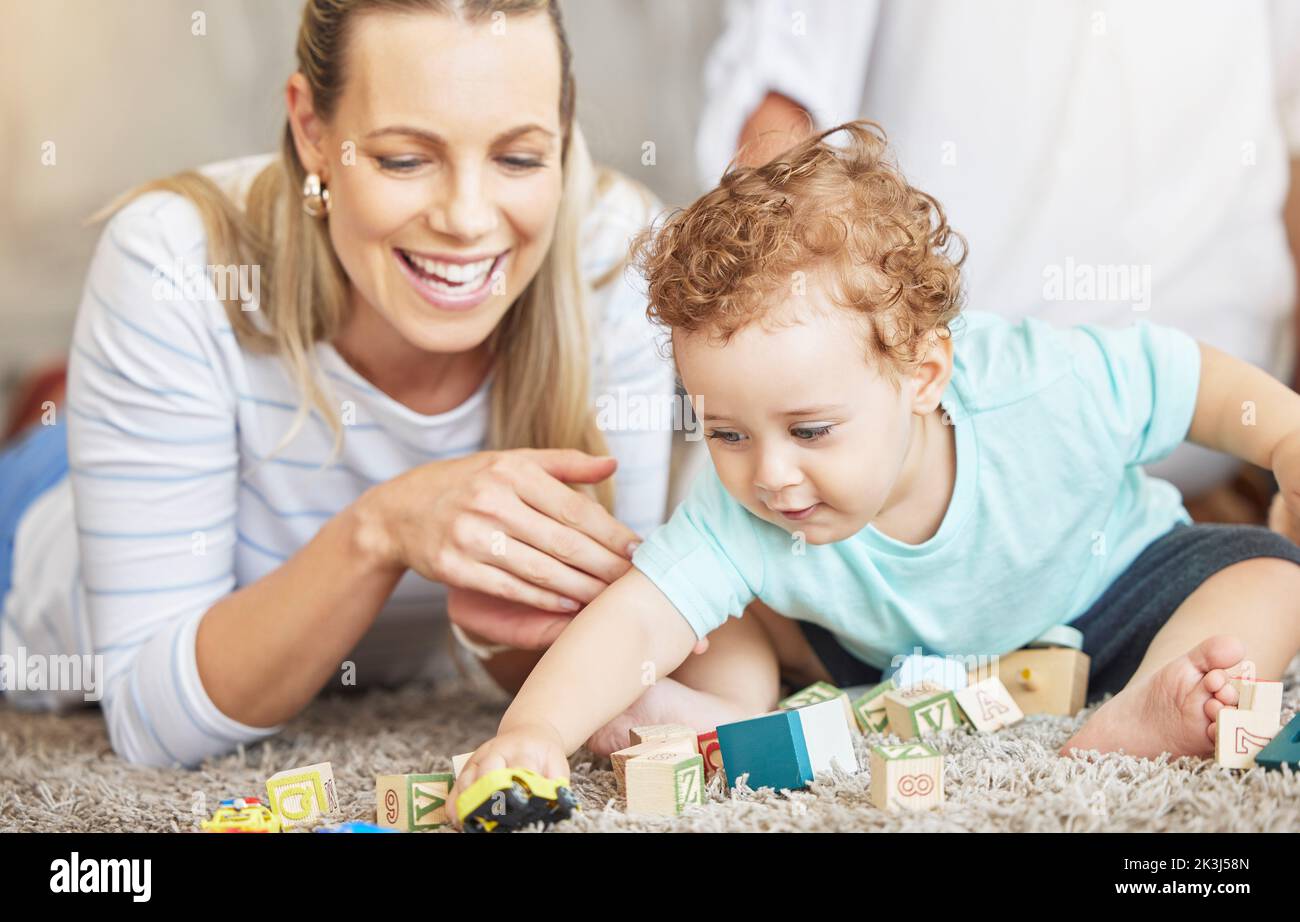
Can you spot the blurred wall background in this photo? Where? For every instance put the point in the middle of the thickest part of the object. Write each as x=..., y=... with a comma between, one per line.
x=98, y=95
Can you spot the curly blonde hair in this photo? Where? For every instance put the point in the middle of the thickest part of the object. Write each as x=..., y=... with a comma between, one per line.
x=843, y=214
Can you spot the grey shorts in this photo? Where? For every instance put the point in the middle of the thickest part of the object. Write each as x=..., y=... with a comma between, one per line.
x=1120, y=625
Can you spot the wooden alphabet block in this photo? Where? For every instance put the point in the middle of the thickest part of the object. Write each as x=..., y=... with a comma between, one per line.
x=906, y=777
x=828, y=736
x=1046, y=681
x=458, y=762
x=664, y=783
x=1262, y=697
x=412, y=803
x=1240, y=735
x=1285, y=747
x=711, y=751
x=988, y=705
x=299, y=796
x=921, y=709
x=816, y=693
x=639, y=735
x=682, y=745
x=787, y=749
x=769, y=748
x=869, y=709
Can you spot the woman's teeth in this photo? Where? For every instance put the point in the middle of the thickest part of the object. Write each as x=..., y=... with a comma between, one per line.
x=456, y=276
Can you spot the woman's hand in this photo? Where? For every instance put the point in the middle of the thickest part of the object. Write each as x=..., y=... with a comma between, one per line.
x=488, y=619
x=503, y=523
x=536, y=747
x=521, y=627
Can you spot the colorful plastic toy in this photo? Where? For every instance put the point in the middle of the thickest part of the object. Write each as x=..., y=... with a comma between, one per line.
x=511, y=798
x=354, y=826
x=242, y=814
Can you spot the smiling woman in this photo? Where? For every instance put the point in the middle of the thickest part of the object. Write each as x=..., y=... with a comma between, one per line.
x=399, y=420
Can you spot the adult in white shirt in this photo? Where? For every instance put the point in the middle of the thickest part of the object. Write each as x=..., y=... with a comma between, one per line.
x=1106, y=161
x=274, y=482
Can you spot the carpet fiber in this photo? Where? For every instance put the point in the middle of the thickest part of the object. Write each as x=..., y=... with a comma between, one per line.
x=58, y=773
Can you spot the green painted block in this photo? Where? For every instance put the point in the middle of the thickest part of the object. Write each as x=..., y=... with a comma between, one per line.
x=900, y=751
x=688, y=782
x=937, y=713
x=869, y=709
x=818, y=691
x=426, y=796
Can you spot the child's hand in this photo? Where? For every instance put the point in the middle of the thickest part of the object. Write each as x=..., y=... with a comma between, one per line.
x=535, y=746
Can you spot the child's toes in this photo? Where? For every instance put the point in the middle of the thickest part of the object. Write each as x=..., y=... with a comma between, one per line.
x=1212, y=708
x=1214, y=680
x=1215, y=654
x=1227, y=692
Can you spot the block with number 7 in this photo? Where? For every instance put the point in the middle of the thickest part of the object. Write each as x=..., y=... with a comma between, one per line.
x=1240, y=735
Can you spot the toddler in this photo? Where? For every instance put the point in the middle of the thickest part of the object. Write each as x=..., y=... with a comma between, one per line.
x=887, y=472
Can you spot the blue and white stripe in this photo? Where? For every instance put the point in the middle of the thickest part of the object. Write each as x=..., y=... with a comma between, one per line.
x=180, y=496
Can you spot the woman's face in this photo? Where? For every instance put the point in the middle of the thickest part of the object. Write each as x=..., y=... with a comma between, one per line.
x=442, y=160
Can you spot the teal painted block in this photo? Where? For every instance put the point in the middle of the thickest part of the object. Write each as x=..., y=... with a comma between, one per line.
x=1285, y=747
x=770, y=748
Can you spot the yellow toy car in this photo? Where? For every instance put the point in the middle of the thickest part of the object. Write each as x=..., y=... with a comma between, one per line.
x=510, y=798
x=242, y=814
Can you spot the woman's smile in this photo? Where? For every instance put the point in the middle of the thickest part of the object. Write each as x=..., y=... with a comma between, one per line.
x=454, y=283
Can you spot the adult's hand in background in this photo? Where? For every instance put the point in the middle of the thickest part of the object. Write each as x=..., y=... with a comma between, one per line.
x=486, y=618
x=775, y=126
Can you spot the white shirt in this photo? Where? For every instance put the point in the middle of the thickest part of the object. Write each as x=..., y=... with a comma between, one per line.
x=180, y=499
x=1064, y=138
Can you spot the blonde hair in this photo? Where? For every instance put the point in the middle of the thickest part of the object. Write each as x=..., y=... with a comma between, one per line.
x=541, y=392
x=886, y=246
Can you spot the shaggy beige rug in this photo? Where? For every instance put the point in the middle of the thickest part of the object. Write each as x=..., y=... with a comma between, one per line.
x=58, y=773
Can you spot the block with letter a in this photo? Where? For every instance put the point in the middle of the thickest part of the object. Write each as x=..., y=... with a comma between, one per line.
x=988, y=705
x=301, y=796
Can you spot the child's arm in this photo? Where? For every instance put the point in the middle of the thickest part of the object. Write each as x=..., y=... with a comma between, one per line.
x=630, y=635
x=1245, y=412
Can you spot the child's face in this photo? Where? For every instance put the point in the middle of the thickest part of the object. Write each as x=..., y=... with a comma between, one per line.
x=803, y=430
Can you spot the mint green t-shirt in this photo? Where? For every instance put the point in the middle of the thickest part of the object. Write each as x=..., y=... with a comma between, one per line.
x=1050, y=503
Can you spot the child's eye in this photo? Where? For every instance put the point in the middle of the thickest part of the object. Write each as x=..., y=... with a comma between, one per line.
x=723, y=436
x=812, y=434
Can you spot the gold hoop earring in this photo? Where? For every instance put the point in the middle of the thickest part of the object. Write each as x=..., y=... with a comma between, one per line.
x=315, y=197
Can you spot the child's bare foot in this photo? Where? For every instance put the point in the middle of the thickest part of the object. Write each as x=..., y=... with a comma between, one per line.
x=666, y=702
x=1172, y=710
